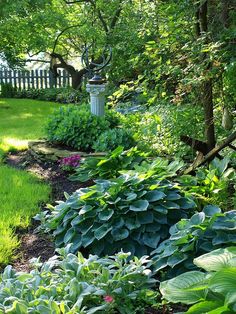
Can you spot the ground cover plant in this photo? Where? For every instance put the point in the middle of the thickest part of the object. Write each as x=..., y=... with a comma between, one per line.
x=131, y=212
x=212, y=291
x=73, y=284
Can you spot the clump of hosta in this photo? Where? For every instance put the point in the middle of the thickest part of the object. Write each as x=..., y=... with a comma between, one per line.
x=132, y=212
x=189, y=238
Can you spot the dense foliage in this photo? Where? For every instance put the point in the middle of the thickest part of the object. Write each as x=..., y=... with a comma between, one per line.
x=110, y=139
x=76, y=127
x=109, y=165
x=211, y=292
x=132, y=212
x=189, y=238
x=72, y=284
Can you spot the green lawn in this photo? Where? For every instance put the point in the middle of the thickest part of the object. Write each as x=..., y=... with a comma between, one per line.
x=22, y=120
x=21, y=193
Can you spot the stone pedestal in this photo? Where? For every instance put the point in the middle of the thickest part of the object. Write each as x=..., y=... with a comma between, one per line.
x=97, y=98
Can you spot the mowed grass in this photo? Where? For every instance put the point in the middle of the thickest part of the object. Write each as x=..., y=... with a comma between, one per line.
x=21, y=193
x=22, y=120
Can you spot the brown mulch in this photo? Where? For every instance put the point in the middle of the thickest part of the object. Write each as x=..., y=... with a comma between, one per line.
x=33, y=244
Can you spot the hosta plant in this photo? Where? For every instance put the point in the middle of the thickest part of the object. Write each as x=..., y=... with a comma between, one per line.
x=71, y=284
x=212, y=292
x=119, y=161
x=133, y=213
x=109, y=165
x=202, y=233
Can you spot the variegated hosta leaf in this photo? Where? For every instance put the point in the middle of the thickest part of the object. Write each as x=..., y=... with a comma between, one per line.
x=187, y=288
x=217, y=259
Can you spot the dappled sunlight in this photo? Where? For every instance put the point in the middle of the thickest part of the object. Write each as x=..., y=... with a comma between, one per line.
x=8, y=143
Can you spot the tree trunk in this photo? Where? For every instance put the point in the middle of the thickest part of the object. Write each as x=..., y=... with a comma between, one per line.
x=207, y=86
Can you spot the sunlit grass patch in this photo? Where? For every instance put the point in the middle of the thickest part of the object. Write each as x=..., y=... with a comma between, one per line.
x=21, y=195
x=22, y=120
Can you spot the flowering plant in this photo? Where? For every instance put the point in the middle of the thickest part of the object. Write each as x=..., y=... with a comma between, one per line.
x=69, y=163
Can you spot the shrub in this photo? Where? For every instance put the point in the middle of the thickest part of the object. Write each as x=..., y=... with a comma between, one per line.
x=73, y=284
x=211, y=292
x=76, y=127
x=62, y=95
x=7, y=90
x=113, y=138
x=192, y=237
x=132, y=213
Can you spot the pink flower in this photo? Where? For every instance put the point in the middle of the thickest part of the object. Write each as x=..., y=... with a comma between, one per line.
x=108, y=298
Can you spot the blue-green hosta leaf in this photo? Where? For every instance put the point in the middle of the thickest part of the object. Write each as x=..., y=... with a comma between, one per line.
x=187, y=288
x=139, y=206
x=132, y=223
x=186, y=203
x=197, y=218
x=151, y=239
x=227, y=222
x=69, y=235
x=176, y=259
x=173, y=196
x=171, y=205
x=160, y=209
x=211, y=210
x=106, y=214
x=145, y=217
x=70, y=215
x=206, y=307
x=216, y=260
x=131, y=196
x=100, y=232
x=155, y=195
x=85, y=209
x=88, y=238
x=120, y=234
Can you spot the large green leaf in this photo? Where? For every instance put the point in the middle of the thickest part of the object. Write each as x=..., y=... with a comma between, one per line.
x=217, y=259
x=155, y=195
x=139, y=206
x=224, y=281
x=120, y=234
x=206, y=307
x=106, y=214
x=151, y=239
x=100, y=232
x=187, y=288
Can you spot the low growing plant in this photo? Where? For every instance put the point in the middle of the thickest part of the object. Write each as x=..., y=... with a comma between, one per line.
x=73, y=284
x=70, y=163
x=210, y=292
x=202, y=233
x=108, y=166
x=133, y=213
